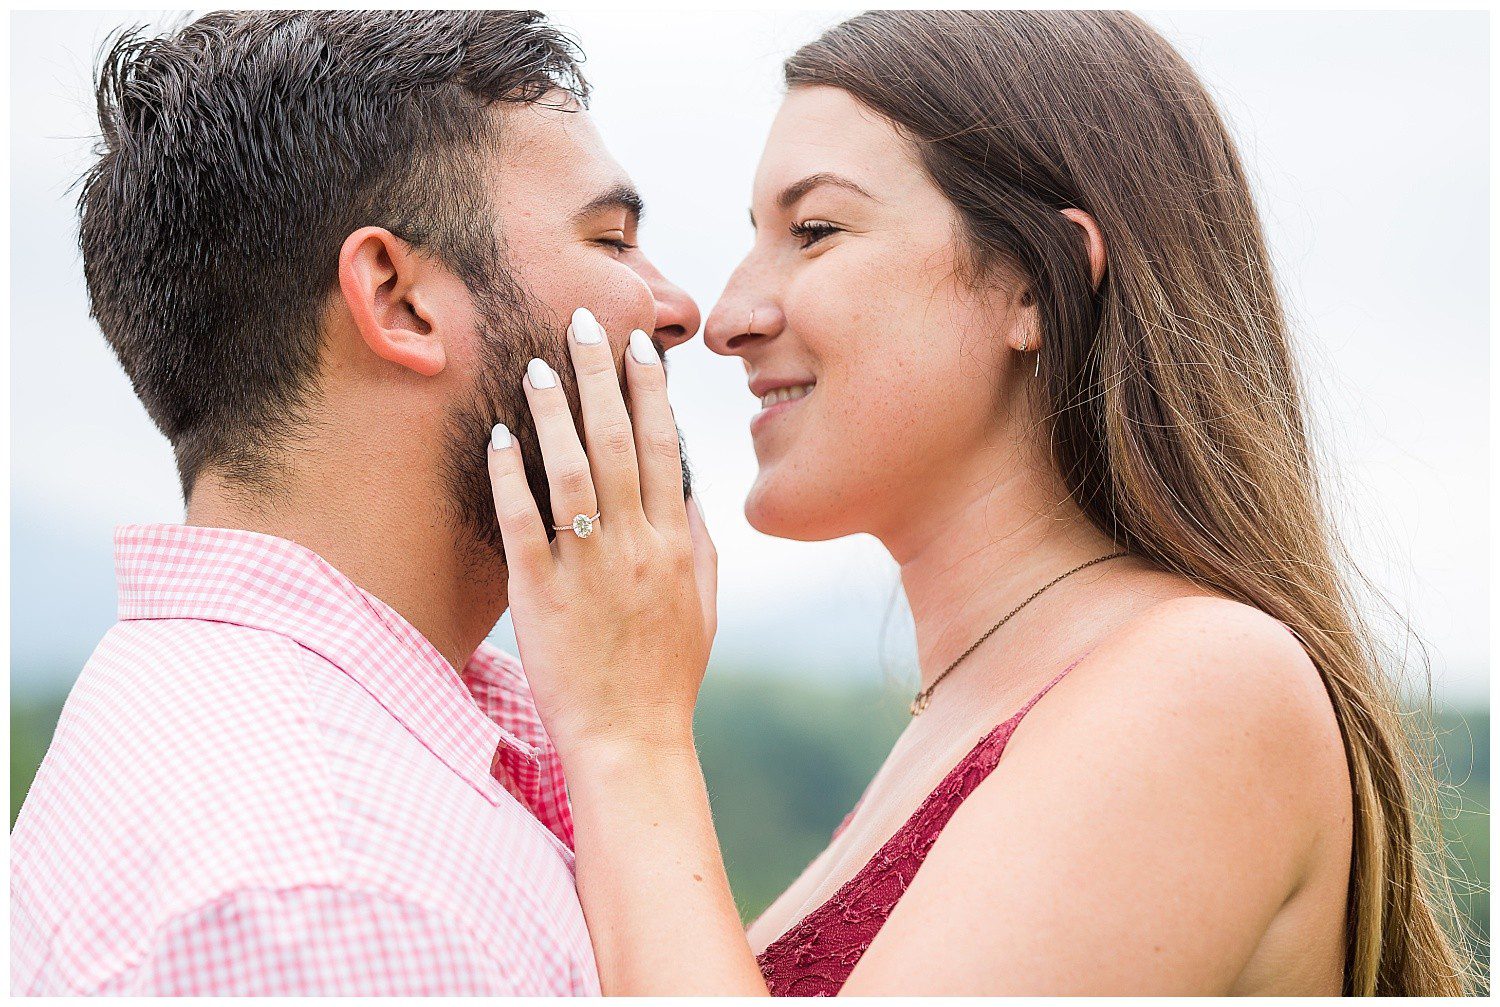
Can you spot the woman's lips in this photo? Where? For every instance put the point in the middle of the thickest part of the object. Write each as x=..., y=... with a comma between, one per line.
x=768, y=414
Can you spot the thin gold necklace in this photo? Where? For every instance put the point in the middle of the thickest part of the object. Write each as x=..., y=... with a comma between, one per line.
x=925, y=696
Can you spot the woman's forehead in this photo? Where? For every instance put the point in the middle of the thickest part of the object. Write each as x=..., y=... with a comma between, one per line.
x=827, y=131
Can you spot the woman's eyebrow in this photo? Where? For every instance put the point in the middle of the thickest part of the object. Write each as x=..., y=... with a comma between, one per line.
x=802, y=187
x=621, y=197
x=789, y=196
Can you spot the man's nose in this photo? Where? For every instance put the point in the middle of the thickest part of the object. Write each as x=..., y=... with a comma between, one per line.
x=677, y=315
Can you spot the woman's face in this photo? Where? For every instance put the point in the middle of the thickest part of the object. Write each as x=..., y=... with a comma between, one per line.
x=884, y=373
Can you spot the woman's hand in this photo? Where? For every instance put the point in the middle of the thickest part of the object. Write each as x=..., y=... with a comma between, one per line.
x=614, y=629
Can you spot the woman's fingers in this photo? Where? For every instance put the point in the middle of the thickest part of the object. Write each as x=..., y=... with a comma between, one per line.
x=705, y=567
x=606, y=423
x=569, y=480
x=633, y=461
x=521, y=529
x=656, y=441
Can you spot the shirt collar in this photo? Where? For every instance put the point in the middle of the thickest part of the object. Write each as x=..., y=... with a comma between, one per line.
x=169, y=571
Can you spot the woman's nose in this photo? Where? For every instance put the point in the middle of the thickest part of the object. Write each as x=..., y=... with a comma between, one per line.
x=740, y=319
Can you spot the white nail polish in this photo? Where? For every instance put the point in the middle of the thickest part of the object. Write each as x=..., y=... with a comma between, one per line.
x=540, y=375
x=586, y=328
x=642, y=348
x=500, y=437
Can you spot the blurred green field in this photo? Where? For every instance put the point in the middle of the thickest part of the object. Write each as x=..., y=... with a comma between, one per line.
x=786, y=760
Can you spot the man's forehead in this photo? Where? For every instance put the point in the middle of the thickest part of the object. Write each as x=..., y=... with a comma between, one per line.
x=559, y=144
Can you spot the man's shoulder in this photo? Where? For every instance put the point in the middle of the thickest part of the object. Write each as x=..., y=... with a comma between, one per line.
x=176, y=728
x=193, y=676
x=173, y=780
x=174, y=645
x=184, y=760
x=164, y=701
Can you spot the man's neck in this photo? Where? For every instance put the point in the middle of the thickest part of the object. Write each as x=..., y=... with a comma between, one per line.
x=400, y=551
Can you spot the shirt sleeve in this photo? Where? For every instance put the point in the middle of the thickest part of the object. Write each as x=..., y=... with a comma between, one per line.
x=324, y=940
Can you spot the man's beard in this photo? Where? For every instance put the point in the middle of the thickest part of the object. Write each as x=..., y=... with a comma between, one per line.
x=513, y=328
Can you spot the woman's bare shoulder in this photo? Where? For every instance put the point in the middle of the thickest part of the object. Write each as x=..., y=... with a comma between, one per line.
x=1208, y=661
x=1207, y=688
x=1148, y=819
x=1206, y=649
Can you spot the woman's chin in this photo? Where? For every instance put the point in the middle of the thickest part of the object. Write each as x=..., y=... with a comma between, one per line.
x=785, y=512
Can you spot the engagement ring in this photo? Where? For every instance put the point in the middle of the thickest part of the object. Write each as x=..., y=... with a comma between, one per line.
x=582, y=526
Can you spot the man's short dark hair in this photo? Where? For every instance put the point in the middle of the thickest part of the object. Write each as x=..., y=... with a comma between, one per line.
x=236, y=155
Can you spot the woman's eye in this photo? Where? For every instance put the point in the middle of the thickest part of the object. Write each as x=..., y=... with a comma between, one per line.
x=810, y=232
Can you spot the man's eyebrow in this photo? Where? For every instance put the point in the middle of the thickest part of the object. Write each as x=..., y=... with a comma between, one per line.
x=621, y=197
x=798, y=189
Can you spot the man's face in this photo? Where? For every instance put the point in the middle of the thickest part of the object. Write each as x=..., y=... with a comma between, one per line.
x=566, y=217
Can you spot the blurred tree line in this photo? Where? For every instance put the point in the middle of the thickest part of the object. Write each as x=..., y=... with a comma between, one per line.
x=786, y=760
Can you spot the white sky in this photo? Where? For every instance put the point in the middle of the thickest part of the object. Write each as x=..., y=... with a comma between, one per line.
x=1367, y=135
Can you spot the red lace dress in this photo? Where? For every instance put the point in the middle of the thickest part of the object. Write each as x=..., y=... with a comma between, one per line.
x=816, y=955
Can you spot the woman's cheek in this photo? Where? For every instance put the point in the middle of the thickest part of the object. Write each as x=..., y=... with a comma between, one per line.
x=837, y=475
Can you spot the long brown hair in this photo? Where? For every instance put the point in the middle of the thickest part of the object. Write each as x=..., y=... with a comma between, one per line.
x=1170, y=394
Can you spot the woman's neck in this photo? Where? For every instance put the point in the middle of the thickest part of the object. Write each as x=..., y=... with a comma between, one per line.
x=983, y=550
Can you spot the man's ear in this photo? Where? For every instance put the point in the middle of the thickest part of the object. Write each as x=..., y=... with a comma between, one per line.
x=381, y=278
x=1095, y=241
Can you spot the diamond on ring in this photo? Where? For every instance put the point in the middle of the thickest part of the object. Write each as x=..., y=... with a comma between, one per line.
x=582, y=526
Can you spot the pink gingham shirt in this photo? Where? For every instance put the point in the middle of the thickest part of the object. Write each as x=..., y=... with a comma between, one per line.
x=267, y=782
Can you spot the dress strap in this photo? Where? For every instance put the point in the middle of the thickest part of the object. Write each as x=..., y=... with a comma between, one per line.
x=1048, y=687
x=816, y=954
x=1010, y=723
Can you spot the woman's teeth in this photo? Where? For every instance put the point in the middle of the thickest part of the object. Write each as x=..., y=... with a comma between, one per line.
x=771, y=398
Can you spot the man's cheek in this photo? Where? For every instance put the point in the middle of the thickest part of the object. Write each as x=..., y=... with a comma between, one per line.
x=622, y=303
